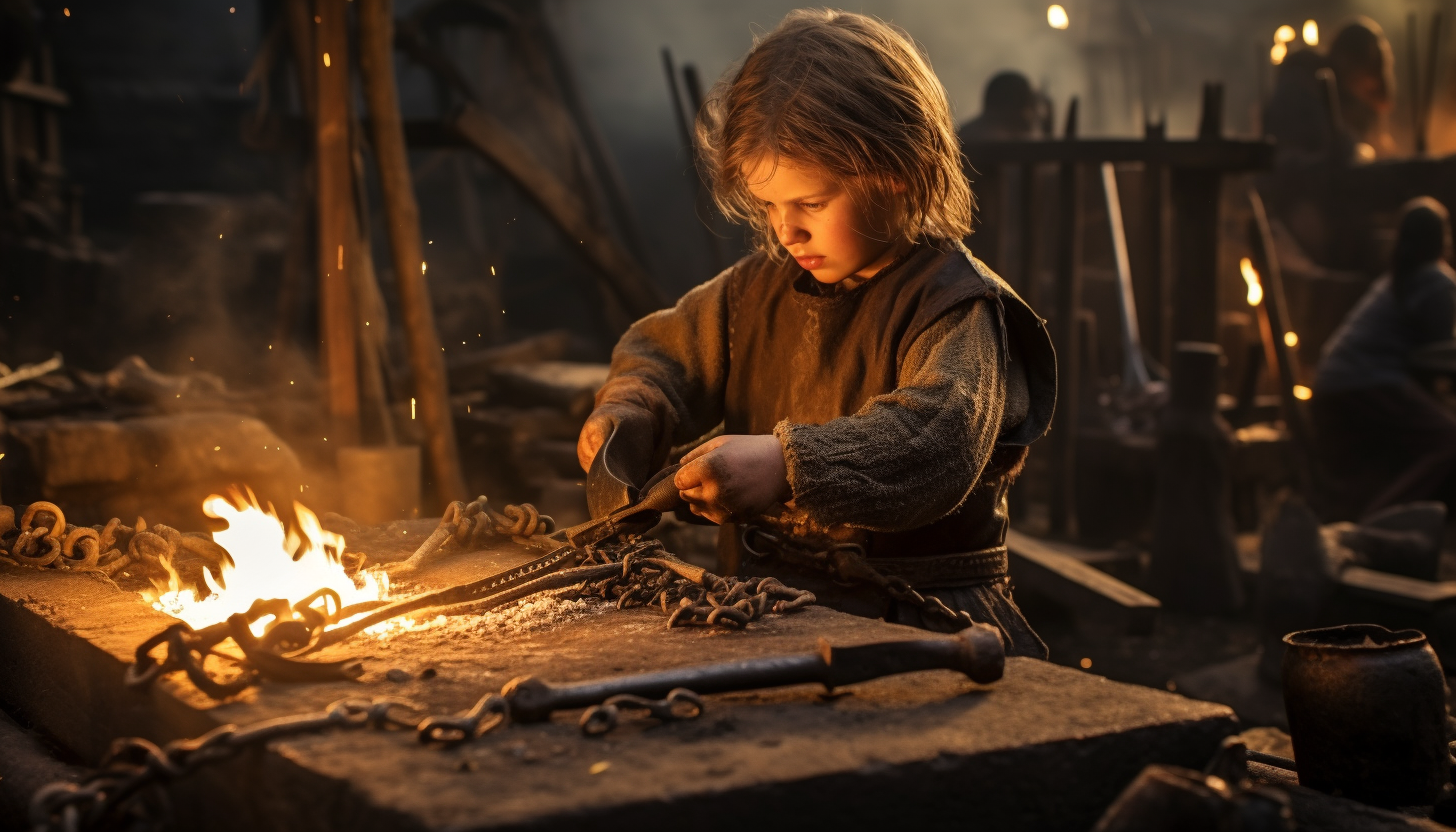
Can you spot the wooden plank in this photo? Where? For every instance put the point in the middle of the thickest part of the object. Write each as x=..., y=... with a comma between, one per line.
x=1218, y=155
x=1095, y=596
x=1398, y=590
x=39, y=93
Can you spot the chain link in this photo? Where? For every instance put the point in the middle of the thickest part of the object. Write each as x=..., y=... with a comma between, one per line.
x=689, y=595
x=845, y=562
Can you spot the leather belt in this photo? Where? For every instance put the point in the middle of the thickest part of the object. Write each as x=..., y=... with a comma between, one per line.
x=955, y=569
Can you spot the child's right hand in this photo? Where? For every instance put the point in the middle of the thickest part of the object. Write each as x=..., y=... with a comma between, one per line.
x=593, y=435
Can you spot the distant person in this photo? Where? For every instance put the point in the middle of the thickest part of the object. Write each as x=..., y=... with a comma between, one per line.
x=1011, y=110
x=1299, y=118
x=1365, y=70
x=1383, y=439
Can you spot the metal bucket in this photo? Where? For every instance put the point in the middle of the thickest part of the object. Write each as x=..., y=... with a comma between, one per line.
x=1367, y=714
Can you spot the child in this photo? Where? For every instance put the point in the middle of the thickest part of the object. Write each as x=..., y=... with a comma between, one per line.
x=876, y=387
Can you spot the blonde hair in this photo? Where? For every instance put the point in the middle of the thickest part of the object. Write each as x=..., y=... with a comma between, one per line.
x=853, y=96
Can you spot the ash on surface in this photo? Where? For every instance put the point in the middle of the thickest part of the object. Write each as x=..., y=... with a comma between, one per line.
x=528, y=615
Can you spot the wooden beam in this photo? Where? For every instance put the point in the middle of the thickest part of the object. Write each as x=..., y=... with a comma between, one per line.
x=337, y=324
x=493, y=139
x=427, y=359
x=1223, y=155
x=1056, y=571
x=1398, y=590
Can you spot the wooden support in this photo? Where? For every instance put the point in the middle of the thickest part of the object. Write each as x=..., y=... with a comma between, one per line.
x=335, y=199
x=495, y=141
x=1195, y=566
x=1056, y=571
x=1064, y=337
x=427, y=359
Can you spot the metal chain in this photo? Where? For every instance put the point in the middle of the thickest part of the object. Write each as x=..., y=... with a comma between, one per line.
x=108, y=796
x=470, y=526
x=846, y=562
x=113, y=794
x=689, y=595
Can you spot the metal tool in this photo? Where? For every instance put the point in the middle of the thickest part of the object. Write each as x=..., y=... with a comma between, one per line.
x=975, y=651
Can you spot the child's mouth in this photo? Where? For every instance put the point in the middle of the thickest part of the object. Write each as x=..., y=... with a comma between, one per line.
x=810, y=263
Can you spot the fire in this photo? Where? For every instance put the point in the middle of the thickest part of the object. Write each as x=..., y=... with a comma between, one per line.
x=1251, y=277
x=268, y=562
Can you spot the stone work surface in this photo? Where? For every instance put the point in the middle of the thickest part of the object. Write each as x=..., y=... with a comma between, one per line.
x=1046, y=747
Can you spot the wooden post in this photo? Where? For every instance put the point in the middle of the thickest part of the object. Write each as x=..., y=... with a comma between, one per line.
x=1194, y=564
x=1064, y=337
x=337, y=325
x=427, y=359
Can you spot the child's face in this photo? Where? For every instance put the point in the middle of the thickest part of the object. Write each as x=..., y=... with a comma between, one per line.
x=819, y=223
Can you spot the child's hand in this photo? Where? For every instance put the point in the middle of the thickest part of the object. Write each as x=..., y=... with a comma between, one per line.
x=732, y=478
x=593, y=435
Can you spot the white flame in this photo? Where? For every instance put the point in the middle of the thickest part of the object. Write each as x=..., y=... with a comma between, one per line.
x=1251, y=277
x=268, y=562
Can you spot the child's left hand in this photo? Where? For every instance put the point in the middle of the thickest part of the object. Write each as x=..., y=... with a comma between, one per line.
x=732, y=478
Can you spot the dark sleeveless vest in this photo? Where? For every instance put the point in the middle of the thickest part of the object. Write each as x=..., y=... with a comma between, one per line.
x=802, y=352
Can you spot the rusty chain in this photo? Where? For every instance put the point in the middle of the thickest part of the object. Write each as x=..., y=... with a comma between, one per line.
x=43, y=539
x=470, y=526
x=112, y=795
x=846, y=562
x=689, y=595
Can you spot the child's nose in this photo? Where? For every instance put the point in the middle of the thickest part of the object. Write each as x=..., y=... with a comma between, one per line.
x=792, y=234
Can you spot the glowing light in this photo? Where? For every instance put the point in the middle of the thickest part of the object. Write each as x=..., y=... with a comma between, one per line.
x=1310, y=33
x=1277, y=52
x=66, y=12
x=268, y=562
x=1291, y=339
x=412, y=407
x=326, y=59
x=422, y=266
x=1251, y=277
x=1284, y=34
x=1057, y=17
x=1086, y=664
x=1303, y=393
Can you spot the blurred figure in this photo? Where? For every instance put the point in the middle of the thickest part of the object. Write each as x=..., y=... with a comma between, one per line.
x=1010, y=110
x=1382, y=437
x=1365, y=70
x=1308, y=127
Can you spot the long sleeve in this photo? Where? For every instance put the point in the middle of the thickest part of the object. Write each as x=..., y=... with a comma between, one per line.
x=1431, y=311
x=670, y=368
x=913, y=455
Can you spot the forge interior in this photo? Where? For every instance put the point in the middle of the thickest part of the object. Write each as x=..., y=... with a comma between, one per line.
x=379, y=451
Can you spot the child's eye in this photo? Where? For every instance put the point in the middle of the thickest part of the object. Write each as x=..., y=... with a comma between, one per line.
x=811, y=206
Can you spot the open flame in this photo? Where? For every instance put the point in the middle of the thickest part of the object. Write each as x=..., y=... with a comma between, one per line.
x=268, y=562
x=1251, y=278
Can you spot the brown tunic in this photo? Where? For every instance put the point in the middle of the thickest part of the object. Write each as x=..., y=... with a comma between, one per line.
x=891, y=399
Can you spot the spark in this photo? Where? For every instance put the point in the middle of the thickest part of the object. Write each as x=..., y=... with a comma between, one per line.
x=326, y=59
x=1303, y=393
x=66, y=12
x=1284, y=34
x=1057, y=16
x=1311, y=33
x=1291, y=339
x=1277, y=52
x=412, y=407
